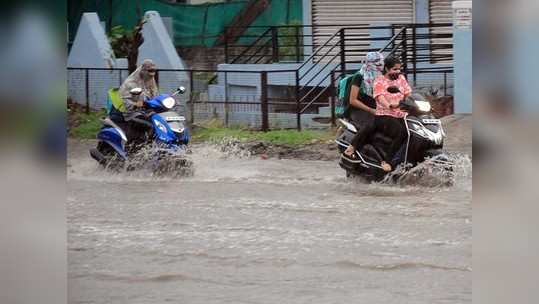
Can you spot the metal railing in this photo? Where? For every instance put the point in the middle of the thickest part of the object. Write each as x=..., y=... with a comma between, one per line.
x=293, y=43
x=263, y=109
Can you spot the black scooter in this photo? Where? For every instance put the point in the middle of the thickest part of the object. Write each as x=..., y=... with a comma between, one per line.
x=425, y=140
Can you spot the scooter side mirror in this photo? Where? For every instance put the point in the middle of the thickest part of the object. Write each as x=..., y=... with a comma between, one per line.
x=182, y=89
x=136, y=91
x=393, y=90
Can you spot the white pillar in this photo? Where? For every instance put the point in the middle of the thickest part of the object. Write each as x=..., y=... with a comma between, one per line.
x=91, y=47
x=462, y=46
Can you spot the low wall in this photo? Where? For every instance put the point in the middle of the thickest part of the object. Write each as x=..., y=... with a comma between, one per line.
x=204, y=112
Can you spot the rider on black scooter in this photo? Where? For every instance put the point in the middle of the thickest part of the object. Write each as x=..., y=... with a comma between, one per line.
x=362, y=106
x=388, y=116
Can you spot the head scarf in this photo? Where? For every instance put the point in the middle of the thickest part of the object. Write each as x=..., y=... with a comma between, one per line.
x=372, y=68
x=140, y=79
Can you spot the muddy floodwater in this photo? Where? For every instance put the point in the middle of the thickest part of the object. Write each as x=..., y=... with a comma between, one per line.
x=248, y=230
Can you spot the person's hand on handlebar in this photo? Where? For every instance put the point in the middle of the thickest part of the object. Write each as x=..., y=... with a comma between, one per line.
x=148, y=113
x=135, y=100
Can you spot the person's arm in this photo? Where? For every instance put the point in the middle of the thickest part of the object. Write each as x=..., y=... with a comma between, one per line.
x=134, y=101
x=406, y=89
x=356, y=103
x=126, y=98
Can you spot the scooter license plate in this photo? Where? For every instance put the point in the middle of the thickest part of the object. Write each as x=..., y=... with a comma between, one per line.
x=175, y=118
x=431, y=121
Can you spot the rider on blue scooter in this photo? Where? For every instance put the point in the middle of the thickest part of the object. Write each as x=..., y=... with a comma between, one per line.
x=128, y=100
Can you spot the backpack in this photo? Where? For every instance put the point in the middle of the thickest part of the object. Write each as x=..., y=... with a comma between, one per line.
x=114, y=102
x=343, y=94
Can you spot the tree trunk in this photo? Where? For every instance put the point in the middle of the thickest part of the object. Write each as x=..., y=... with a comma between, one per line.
x=135, y=43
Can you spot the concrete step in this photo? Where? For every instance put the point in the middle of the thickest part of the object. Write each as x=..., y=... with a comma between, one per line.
x=321, y=121
x=324, y=111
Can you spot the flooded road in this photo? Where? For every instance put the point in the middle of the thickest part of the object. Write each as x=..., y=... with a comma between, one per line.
x=247, y=230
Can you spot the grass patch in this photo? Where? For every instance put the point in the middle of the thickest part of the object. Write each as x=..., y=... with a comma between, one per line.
x=293, y=137
x=214, y=132
x=85, y=126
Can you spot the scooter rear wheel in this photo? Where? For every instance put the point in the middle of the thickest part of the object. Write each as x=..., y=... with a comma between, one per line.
x=111, y=159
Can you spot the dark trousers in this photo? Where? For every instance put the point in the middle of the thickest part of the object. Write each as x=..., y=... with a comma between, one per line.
x=117, y=117
x=132, y=131
x=391, y=127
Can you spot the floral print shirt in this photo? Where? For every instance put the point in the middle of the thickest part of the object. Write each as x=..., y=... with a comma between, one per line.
x=380, y=89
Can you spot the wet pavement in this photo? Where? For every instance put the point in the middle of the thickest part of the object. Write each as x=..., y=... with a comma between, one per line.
x=247, y=230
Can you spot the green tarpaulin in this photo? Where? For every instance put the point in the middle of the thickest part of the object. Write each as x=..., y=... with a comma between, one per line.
x=194, y=25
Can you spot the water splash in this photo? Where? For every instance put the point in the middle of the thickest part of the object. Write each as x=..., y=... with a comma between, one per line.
x=225, y=148
x=148, y=162
x=439, y=171
x=161, y=161
x=230, y=160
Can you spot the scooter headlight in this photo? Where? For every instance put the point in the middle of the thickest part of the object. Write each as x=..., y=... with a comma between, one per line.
x=169, y=102
x=423, y=106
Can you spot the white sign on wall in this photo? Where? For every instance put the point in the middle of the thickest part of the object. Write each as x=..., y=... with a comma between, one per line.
x=462, y=15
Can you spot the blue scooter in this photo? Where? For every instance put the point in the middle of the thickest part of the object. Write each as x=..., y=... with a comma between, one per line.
x=155, y=126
